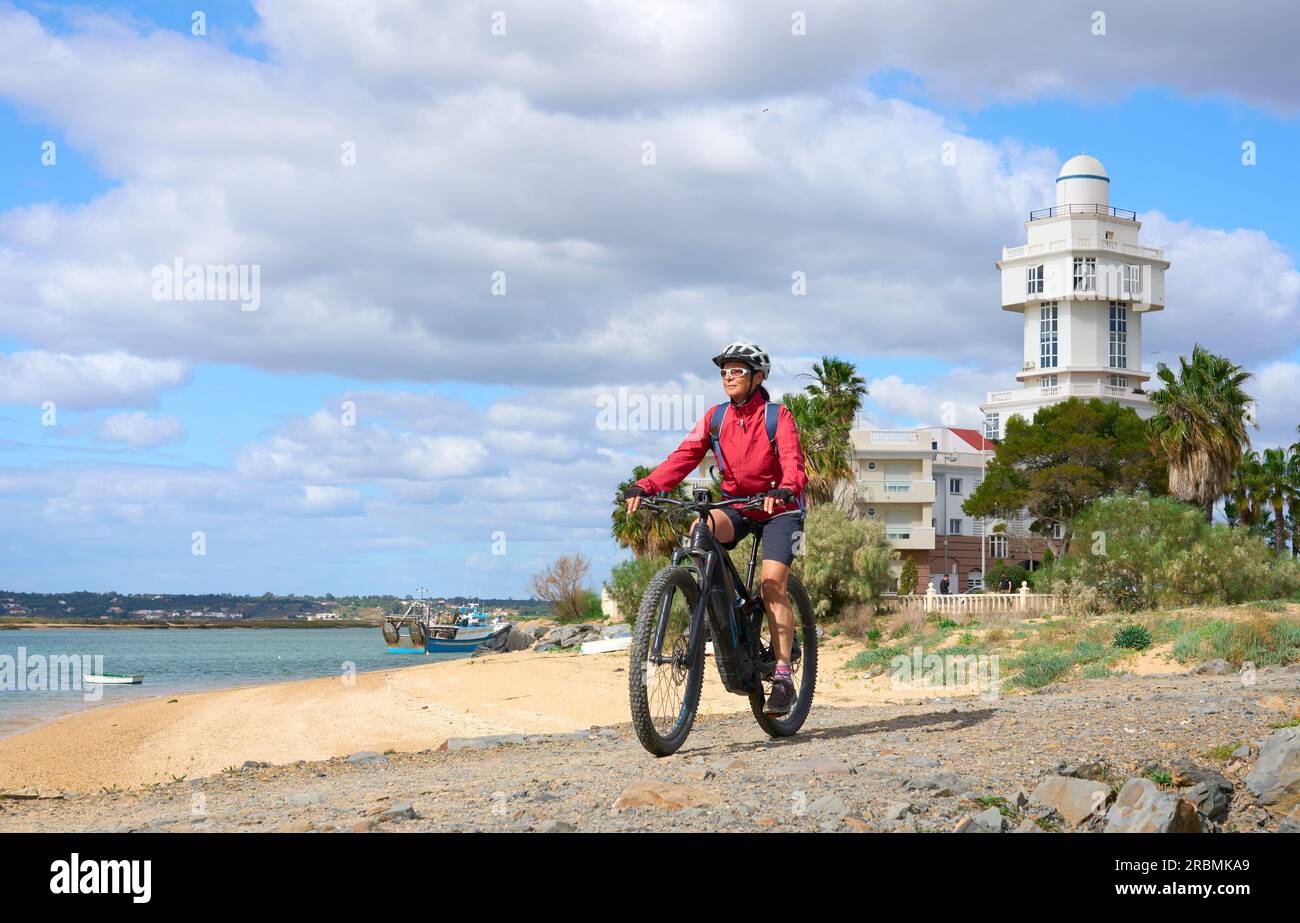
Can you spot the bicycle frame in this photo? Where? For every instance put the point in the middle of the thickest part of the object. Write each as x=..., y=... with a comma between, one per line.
x=718, y=575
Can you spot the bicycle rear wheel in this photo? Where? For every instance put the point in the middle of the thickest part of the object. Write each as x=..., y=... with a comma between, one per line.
x=663, y=687
x=803, y=667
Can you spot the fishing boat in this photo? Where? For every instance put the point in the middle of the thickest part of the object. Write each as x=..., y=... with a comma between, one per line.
x=451, y=630
x=112, y=679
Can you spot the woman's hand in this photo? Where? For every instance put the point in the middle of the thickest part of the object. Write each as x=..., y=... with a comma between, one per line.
x=633, y=497
x=781, y=495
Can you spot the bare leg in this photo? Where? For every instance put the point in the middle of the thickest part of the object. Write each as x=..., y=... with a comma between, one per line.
x=780, y=616
x=721, y=526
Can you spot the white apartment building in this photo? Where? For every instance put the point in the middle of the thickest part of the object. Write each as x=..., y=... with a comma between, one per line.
x=1083, y=282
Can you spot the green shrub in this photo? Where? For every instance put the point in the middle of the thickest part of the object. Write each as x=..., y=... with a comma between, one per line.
x=1263, y=641
x=627, y=582
x=907, y=579
x=1040, y=666
x=1134, y=637
x=1141, y=552
x=999, y=569
x=842, y=561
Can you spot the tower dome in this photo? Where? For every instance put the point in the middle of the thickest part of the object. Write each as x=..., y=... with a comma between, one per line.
x=1082, y=181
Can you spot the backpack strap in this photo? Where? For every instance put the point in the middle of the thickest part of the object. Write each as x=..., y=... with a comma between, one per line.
x=773, y=411
x=715, y=427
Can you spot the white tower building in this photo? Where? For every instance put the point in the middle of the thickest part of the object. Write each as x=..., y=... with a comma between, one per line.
x=1082, y=283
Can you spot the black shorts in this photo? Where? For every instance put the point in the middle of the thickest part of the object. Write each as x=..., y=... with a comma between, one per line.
x=778, y=533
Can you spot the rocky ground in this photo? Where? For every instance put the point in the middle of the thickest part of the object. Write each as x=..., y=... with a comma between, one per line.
x=1163, y=752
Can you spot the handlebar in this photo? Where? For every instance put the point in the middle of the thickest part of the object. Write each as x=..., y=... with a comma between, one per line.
x=662, y=503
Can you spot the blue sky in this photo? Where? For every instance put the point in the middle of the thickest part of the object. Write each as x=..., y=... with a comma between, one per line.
x=477, y=420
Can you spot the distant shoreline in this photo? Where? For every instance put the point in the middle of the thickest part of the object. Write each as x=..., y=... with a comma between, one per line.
x=248, y=623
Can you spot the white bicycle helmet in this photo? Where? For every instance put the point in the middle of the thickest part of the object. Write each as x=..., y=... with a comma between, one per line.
x=749, y=353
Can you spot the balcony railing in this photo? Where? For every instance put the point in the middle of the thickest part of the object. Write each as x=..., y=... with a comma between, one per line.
x=1055, y=210
x=1060, y=391
x=877, y=490
x=1082, y=243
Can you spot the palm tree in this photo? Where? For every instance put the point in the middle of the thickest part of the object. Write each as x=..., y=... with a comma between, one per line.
x=824, y=413
x=1242, y=503
x=1200, y=425
x=1279, y=482
x=839, y=388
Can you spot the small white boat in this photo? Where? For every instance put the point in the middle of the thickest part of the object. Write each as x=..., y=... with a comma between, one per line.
x=112, y=679
x=605, y=645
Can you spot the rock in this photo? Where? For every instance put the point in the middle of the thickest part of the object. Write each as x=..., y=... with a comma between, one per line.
x=857, y=825
x=1074, y=799
x=254, y=764
x=1209, y=798
x=1242, y=752
x=944, y=784
x=1143, y=808
x=1095, y=770
x=616, y=631
x=896, y=810
x=971, y=825
x=399, y=812
x=668, y=796
x=828, y=807
x=1213, y=668
x=365, y=825
x=1020, y=800
x=1209, y=792
x=991, y=818
x=298, y=826
x=1274, y=780
x=548, y=646
x=699, y=774
x=517, y=640
x=555, y=826
x=367, y=756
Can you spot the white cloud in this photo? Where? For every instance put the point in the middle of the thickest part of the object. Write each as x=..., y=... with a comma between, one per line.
x=140, y=430
x=86, y=382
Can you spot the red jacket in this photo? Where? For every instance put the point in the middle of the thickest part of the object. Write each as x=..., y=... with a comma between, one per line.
x=751, y=467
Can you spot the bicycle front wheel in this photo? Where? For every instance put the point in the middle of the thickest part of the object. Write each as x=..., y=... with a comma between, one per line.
x=803, y=666
x=663, y=687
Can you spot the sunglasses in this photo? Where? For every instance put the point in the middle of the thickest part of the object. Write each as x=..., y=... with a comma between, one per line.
x=735, y=373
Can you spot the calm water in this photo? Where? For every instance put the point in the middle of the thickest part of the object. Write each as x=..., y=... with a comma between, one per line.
x=183, y=660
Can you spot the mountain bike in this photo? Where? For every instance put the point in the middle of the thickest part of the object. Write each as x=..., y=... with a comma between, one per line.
x=697, y=598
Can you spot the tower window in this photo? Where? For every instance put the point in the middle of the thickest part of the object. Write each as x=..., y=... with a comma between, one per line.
x=990, y=426
x=997, y=546
x=1047, y=335
x=1085, y=274
x=954, y=527
x=1035, y=286
x=1132, y=281
x=1118, y=335
x=1119, y=381
x=1047, y=381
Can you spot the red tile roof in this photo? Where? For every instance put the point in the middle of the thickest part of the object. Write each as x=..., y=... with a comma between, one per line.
x=973, y=438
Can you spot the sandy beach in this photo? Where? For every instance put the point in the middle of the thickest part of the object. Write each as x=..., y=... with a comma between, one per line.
x=409, y=709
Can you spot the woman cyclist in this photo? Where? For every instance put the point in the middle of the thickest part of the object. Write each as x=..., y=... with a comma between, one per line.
x=750, y=465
